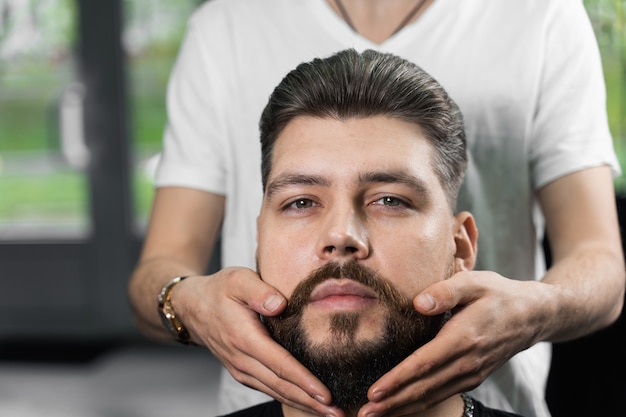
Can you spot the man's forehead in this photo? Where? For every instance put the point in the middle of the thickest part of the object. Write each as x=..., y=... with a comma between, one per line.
x=379, y=140
x=377, y=149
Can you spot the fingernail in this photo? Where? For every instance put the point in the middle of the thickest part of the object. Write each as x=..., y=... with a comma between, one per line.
x=426, y=302
x=379, y=396
x=273, y=302
x=320, y=399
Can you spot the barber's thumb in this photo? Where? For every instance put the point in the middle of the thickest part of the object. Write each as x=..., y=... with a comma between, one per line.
x=273, y=304
x=251, y=291
x=436, y=299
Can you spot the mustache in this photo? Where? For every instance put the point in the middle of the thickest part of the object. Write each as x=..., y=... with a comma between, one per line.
x=352, y=270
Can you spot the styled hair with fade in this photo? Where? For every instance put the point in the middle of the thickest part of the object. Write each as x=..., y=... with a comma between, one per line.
x=349, y=84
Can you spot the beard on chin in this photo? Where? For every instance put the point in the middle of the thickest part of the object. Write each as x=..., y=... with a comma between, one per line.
x=347, y=366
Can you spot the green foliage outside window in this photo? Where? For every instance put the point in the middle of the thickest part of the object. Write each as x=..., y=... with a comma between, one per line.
x=608, y=19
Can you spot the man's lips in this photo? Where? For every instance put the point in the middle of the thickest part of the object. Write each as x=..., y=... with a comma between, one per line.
x=342, y=293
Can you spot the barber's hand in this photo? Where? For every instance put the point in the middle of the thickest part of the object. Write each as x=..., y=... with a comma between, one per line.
x=221, y=311
x=493, y=319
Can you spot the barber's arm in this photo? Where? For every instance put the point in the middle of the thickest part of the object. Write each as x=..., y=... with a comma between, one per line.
x=588, y=264
x=496, y=317
x=183, y=228
x=220, y=311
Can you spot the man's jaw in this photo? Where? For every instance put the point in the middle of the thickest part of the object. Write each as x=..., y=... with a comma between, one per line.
x=342, y=317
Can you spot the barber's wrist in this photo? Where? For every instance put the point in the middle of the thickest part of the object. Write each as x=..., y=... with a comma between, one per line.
x=171, y=320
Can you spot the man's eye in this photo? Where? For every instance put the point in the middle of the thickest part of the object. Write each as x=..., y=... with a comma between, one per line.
x=390, y=202
x=302, y=203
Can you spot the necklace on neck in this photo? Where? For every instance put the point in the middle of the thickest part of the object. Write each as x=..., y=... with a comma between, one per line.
x=468, y=405
x=403, y=23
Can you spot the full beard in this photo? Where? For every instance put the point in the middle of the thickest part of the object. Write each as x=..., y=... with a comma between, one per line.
x=347, y=366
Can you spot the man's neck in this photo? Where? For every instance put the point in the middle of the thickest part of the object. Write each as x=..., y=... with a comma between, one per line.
x=452, y=407
x=377, y=20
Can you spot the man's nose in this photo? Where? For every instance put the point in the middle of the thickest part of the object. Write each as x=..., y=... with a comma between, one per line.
x=344, y=235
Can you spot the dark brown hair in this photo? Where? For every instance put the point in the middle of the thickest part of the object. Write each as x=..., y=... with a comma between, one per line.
x=349, y=84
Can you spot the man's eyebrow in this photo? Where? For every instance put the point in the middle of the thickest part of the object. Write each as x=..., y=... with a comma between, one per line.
x=288, y=179
x=395, y=177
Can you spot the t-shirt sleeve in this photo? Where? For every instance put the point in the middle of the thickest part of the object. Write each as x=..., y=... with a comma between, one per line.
x=570, y=130
x=194, y=154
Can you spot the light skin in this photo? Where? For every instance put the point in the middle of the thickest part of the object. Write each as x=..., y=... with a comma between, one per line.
x=582, y=292
x=382, y=207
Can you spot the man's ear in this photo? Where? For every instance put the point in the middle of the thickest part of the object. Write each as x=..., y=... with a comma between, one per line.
x=465, y=239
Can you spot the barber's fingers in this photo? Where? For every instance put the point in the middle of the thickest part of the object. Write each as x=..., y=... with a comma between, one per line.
x=233, y=331
x=277, y=373
x=461, y=289
x=458, y=359
x=490, y=324
x=417, y=397
x=254, y=355
x=246, y=287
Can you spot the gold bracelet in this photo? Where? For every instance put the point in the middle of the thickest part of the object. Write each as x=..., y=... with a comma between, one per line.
x=171, y=322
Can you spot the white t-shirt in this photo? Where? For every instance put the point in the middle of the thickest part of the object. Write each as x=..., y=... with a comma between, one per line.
x=526, y=75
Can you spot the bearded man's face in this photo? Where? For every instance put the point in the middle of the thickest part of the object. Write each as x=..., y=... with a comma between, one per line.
x=346, y=197
x=346, y=364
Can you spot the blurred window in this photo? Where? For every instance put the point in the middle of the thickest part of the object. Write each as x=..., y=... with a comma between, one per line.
x=607, y=17
x=42, y=155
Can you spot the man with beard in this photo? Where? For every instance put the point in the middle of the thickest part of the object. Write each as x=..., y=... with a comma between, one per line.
x=363, y=156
